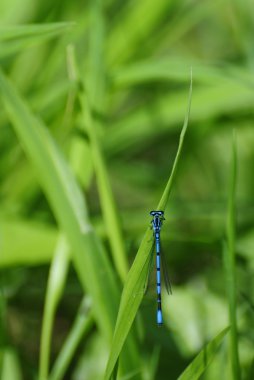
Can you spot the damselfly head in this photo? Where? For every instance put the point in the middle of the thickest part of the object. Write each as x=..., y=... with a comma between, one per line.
x=156, y=213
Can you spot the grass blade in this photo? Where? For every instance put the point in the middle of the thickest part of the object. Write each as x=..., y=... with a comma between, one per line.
x=105, y=192
x=96, y=98
x=35, y=30
x=82, y=323
x=134, y=287
x=15, y=38
x=196, y=368
x=11, y=365
x=230, y=265
x=167, y=191
x=89, y=124
x=56, y=282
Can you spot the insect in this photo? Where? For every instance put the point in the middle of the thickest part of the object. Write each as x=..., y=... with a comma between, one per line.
x=156, y=222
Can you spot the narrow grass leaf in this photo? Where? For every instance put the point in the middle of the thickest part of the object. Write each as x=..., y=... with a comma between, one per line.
x=95, y=77
x=32, y=30
x=96, y=97
x=1, y=363
x=167, y=191
x=11, y=365
x=137, y=126
x=173, y=69
x=230, y=264
x=128, y=34
x=134, y=287
x=89, y=125
x=56, y=282
x=15, y=38
x=87, y=98
x=2, y=328
x=81, y=325
x=105, y=192
x=197, y=367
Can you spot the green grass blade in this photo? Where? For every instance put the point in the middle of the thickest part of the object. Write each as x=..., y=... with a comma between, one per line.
x=15, y=38
x=56, y=282
x=127, y=34
x=2, y=328
x=167, y=191
x=90, y=125
x=94, y=98
x=11, y=365
x=134, y=287
x=196, y=368
x=1, y=363
x=105, y=191
x=95, y=78
x=130, y=131
x=81, y=325
x=106, y=195
x=230, y=265
x=35, y=30
x=173, y=69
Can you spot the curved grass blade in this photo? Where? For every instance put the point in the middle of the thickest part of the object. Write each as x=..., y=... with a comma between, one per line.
x=81, y=325
x=133, y=290
x=167, y=191
x=15, y=38
x=56, y=282
x=105, y=192
x=11, y=365
x=230, y=265
x=32, y=30
x=87, y=99
x=196, y=368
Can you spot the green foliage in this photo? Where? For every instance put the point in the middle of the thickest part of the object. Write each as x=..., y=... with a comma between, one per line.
x=56, y=281
x=81, y=325
x=93, y=96
x=203, y=359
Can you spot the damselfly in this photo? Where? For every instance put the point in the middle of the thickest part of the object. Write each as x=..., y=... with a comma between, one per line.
x=158, y=217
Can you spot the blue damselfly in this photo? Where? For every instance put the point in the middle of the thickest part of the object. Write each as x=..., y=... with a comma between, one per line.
x=158, y=217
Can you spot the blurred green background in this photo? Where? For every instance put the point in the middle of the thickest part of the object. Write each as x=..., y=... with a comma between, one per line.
x=132, y=60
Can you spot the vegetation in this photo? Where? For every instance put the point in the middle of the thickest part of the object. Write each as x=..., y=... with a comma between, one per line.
x=93, y=100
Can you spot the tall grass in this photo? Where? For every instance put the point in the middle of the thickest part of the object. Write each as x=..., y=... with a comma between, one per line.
x=230, y=266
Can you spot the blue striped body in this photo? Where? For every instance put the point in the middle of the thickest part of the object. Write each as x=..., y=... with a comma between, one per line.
x=156, y=225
